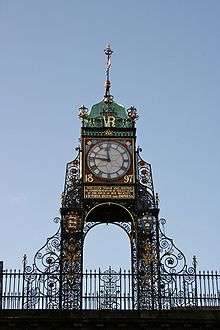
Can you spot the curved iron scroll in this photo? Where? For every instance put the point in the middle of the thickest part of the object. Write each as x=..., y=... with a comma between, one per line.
x=42, y=278
x=110, y=289
x=177, y=280
x=172, y=259
x=145, y=187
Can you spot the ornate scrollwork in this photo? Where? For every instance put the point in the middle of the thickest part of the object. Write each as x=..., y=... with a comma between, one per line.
x=109, y=289
x=126, y=226
x=47, y=257
x=89, y=225
x=145, y=175
x=72, y=224
x=177, y=280
x=172, y=259
x=71, y=251
x=71, y=197
x=160, y=276
x=147, y=262
x=39, y=287
x=71, y=258
x=145, y=188
x=42, y=278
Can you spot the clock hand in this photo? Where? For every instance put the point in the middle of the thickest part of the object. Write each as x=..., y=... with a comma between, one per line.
x=100, y=158
x=107, y=149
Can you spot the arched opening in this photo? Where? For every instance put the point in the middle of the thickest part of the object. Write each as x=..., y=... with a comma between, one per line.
x=109, y=213
x=107, y=245
x=108, y=228
x=107, y=258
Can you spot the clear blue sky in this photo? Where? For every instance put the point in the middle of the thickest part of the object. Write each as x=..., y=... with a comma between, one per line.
x=166, y=62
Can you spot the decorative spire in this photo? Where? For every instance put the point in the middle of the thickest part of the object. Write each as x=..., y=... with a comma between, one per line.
x=132, y=113
x=108, y=52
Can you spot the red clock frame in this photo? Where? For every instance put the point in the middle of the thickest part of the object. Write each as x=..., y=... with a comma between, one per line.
x=90, y=178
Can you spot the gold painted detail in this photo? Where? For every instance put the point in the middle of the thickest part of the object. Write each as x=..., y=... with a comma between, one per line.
x=108, y=132
x=149, y=253
x=71, y=251
x=89, y=178
x=129, y=178
x=72, y=222
x=109, y=121
x=109, y=192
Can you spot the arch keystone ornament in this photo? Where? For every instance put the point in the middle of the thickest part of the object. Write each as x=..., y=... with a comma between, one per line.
x=109, y=182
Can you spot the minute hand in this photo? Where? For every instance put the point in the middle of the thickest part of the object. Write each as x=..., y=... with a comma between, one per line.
x=108, y=155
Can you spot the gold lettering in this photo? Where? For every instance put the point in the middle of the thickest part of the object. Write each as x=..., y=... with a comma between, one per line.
x=119, y=192
x=109, y=121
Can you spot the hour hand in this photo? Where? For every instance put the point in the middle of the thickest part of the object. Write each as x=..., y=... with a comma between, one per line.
x=101, y=158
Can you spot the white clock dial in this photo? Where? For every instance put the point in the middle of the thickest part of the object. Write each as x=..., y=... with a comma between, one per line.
x=108, y=160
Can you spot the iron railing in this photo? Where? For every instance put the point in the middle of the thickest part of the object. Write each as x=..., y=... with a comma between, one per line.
x=198, y=290
x=106, y=290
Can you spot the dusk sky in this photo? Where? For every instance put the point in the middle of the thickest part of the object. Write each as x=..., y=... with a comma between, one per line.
x=166, y=63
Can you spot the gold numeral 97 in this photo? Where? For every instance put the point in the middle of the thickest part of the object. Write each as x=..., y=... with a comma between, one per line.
x=128, y=178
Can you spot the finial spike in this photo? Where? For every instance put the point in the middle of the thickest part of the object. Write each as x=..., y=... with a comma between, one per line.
x=108, y=52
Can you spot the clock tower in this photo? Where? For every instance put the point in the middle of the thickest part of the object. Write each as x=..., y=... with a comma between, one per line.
x=108, y=182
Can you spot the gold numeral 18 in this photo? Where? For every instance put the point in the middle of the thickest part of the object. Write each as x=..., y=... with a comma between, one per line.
x=89, y=178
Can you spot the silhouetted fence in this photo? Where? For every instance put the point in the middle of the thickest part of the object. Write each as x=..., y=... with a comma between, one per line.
x=105, y=290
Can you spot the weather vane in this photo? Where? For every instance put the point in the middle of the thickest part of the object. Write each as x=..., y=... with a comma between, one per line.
x=108, y=52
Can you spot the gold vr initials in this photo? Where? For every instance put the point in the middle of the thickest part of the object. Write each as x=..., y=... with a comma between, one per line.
x=109, y=121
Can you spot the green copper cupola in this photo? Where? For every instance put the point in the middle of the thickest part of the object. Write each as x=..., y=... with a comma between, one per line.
x=108, y=114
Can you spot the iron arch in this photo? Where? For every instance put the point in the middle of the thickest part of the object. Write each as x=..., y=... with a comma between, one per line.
x=110, y=212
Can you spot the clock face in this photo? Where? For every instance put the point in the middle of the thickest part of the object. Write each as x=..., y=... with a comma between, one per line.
x=108, y=160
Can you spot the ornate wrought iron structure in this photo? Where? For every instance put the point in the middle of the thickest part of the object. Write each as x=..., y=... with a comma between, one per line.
x=159, y=276
x=40, y=286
